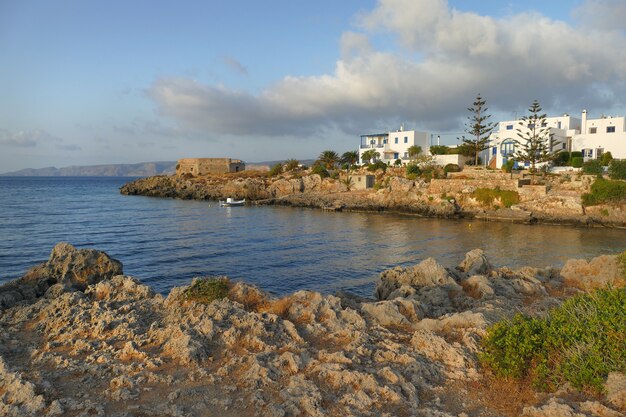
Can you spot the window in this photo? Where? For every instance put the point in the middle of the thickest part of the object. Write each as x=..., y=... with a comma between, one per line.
x=406, y=154
x=396, y=155
x=544, y=124
x=593, y=130
x=564, y=146
x=610, y=129
x=406, y=139
x=507, y=148
x=588, y=153
x=509, y=127
x=385, y=141
x=531, y=125
x=396, y=140
x=558, y=125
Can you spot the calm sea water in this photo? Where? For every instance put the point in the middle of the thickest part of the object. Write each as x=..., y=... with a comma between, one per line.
x=166, y=242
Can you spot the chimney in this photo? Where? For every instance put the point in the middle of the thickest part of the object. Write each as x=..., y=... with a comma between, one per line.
x=583, y=127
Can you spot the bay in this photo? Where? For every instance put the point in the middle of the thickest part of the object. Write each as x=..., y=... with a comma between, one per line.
x=166, y=242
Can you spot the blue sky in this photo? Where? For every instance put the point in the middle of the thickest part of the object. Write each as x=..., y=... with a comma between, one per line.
x=118, y=81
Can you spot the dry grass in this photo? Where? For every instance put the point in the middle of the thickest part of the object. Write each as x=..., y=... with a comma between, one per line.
x=279, y=307
x=471, y=290
x=506, y=397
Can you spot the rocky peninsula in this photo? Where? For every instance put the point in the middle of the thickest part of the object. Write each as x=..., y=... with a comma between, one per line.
x=472, y=193
x=79, y=338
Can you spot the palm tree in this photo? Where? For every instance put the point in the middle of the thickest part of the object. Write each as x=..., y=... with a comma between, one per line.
x=350, y=158
x=369, y=155
x=414, y=151
x=329, y=159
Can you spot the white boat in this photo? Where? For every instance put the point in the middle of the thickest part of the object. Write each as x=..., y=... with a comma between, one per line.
x=230, y=202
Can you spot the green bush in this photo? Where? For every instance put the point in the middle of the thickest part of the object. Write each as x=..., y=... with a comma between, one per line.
x=451, y=168
x=577, y=161
x=579, y=342
x=605, y=191
x=593, y=167
x=376, y=166
x=439, y=150
x=606, y=159
x=320, y=170
x=276, y=170
x=413, y=171
x=398, y=162
x=488, y=195
x=508, y=167
x=562, y=159
x=617, y=169
x=291, y=164
x=206, y=290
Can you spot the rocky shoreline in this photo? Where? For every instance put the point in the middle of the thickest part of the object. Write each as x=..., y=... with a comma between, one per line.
x=79, y=338
x=445, y=198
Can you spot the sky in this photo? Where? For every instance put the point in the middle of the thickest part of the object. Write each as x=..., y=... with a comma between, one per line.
x=116, y=81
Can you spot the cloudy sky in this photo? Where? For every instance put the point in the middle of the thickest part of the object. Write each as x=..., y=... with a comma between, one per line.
x=131, y=81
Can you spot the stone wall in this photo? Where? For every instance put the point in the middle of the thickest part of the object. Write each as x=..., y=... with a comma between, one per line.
x=532, y=192
x=440, y=186
x=204, y=166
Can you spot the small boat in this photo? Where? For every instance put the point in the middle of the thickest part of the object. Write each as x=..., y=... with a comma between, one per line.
x=230, y=202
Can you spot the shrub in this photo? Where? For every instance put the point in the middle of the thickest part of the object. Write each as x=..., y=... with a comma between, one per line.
x=206, y=290
x=576, y=154
x=320, y=170
x=606, y=159
x=439, y=150
x=562, y=159
x=617, y=169
x=488, y=195
x=508, y=167
x=276, y=170
x=593, y=167
x=577, y=161
x=579, y=342
x=605, y=191
x=398, y=162
x=291, y=164
x=376, y=166
x=413, y=171
x=451, y=168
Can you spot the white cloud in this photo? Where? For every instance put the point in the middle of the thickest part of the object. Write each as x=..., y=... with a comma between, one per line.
x=602, y=14
x=25, y=139
x=447, y=57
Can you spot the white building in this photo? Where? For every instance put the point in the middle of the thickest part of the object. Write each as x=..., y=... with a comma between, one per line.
x=597, y=136
x=592, y=137
x=504, y=140
x=394, y=145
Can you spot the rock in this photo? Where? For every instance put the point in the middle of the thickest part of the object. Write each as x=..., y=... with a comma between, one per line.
x=386, y=313
x=18, y=397
x=597, y=273
x=66, y=268
x=427, y=273
x=475, y=263
x=553, y=408
x=615, y=387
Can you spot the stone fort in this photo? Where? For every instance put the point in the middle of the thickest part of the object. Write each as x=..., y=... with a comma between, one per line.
x=204, y=166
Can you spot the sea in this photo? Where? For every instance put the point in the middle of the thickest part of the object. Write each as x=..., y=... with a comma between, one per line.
x=167, y=242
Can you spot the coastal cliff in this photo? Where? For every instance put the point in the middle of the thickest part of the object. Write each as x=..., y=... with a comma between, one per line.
x=79, y=338
x=458, y=196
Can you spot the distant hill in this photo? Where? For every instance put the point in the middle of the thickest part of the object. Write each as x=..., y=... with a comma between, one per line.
x=143, y=169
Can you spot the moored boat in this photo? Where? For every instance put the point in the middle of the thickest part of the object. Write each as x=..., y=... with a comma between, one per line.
x=231, y=202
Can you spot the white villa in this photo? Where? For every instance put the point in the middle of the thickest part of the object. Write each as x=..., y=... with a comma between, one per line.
x=394, y=145
x=592, y=137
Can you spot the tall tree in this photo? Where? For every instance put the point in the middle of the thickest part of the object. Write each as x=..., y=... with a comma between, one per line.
x=413, y=151
x=479, y=126
x=350, y=157
x=536, y=144
x=329, y=159
x=369, y=155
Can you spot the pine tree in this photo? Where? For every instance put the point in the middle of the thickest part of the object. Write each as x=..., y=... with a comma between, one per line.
x=479, y=127
x=536, y=144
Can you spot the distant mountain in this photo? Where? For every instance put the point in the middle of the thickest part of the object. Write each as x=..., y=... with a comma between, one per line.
x=144, y=169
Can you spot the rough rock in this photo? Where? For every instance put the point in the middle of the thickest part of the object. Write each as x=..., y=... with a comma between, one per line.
x=596, y=273
x=67, y=268
x=615, y=387
x=475, y=263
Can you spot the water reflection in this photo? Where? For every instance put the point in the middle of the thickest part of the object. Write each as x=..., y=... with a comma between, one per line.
x=167, y=242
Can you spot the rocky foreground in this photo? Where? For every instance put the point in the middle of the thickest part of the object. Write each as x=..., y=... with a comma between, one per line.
x=79, y=338
x=557, y=202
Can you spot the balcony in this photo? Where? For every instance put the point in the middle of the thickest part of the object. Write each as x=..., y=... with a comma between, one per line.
x=372, y=146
